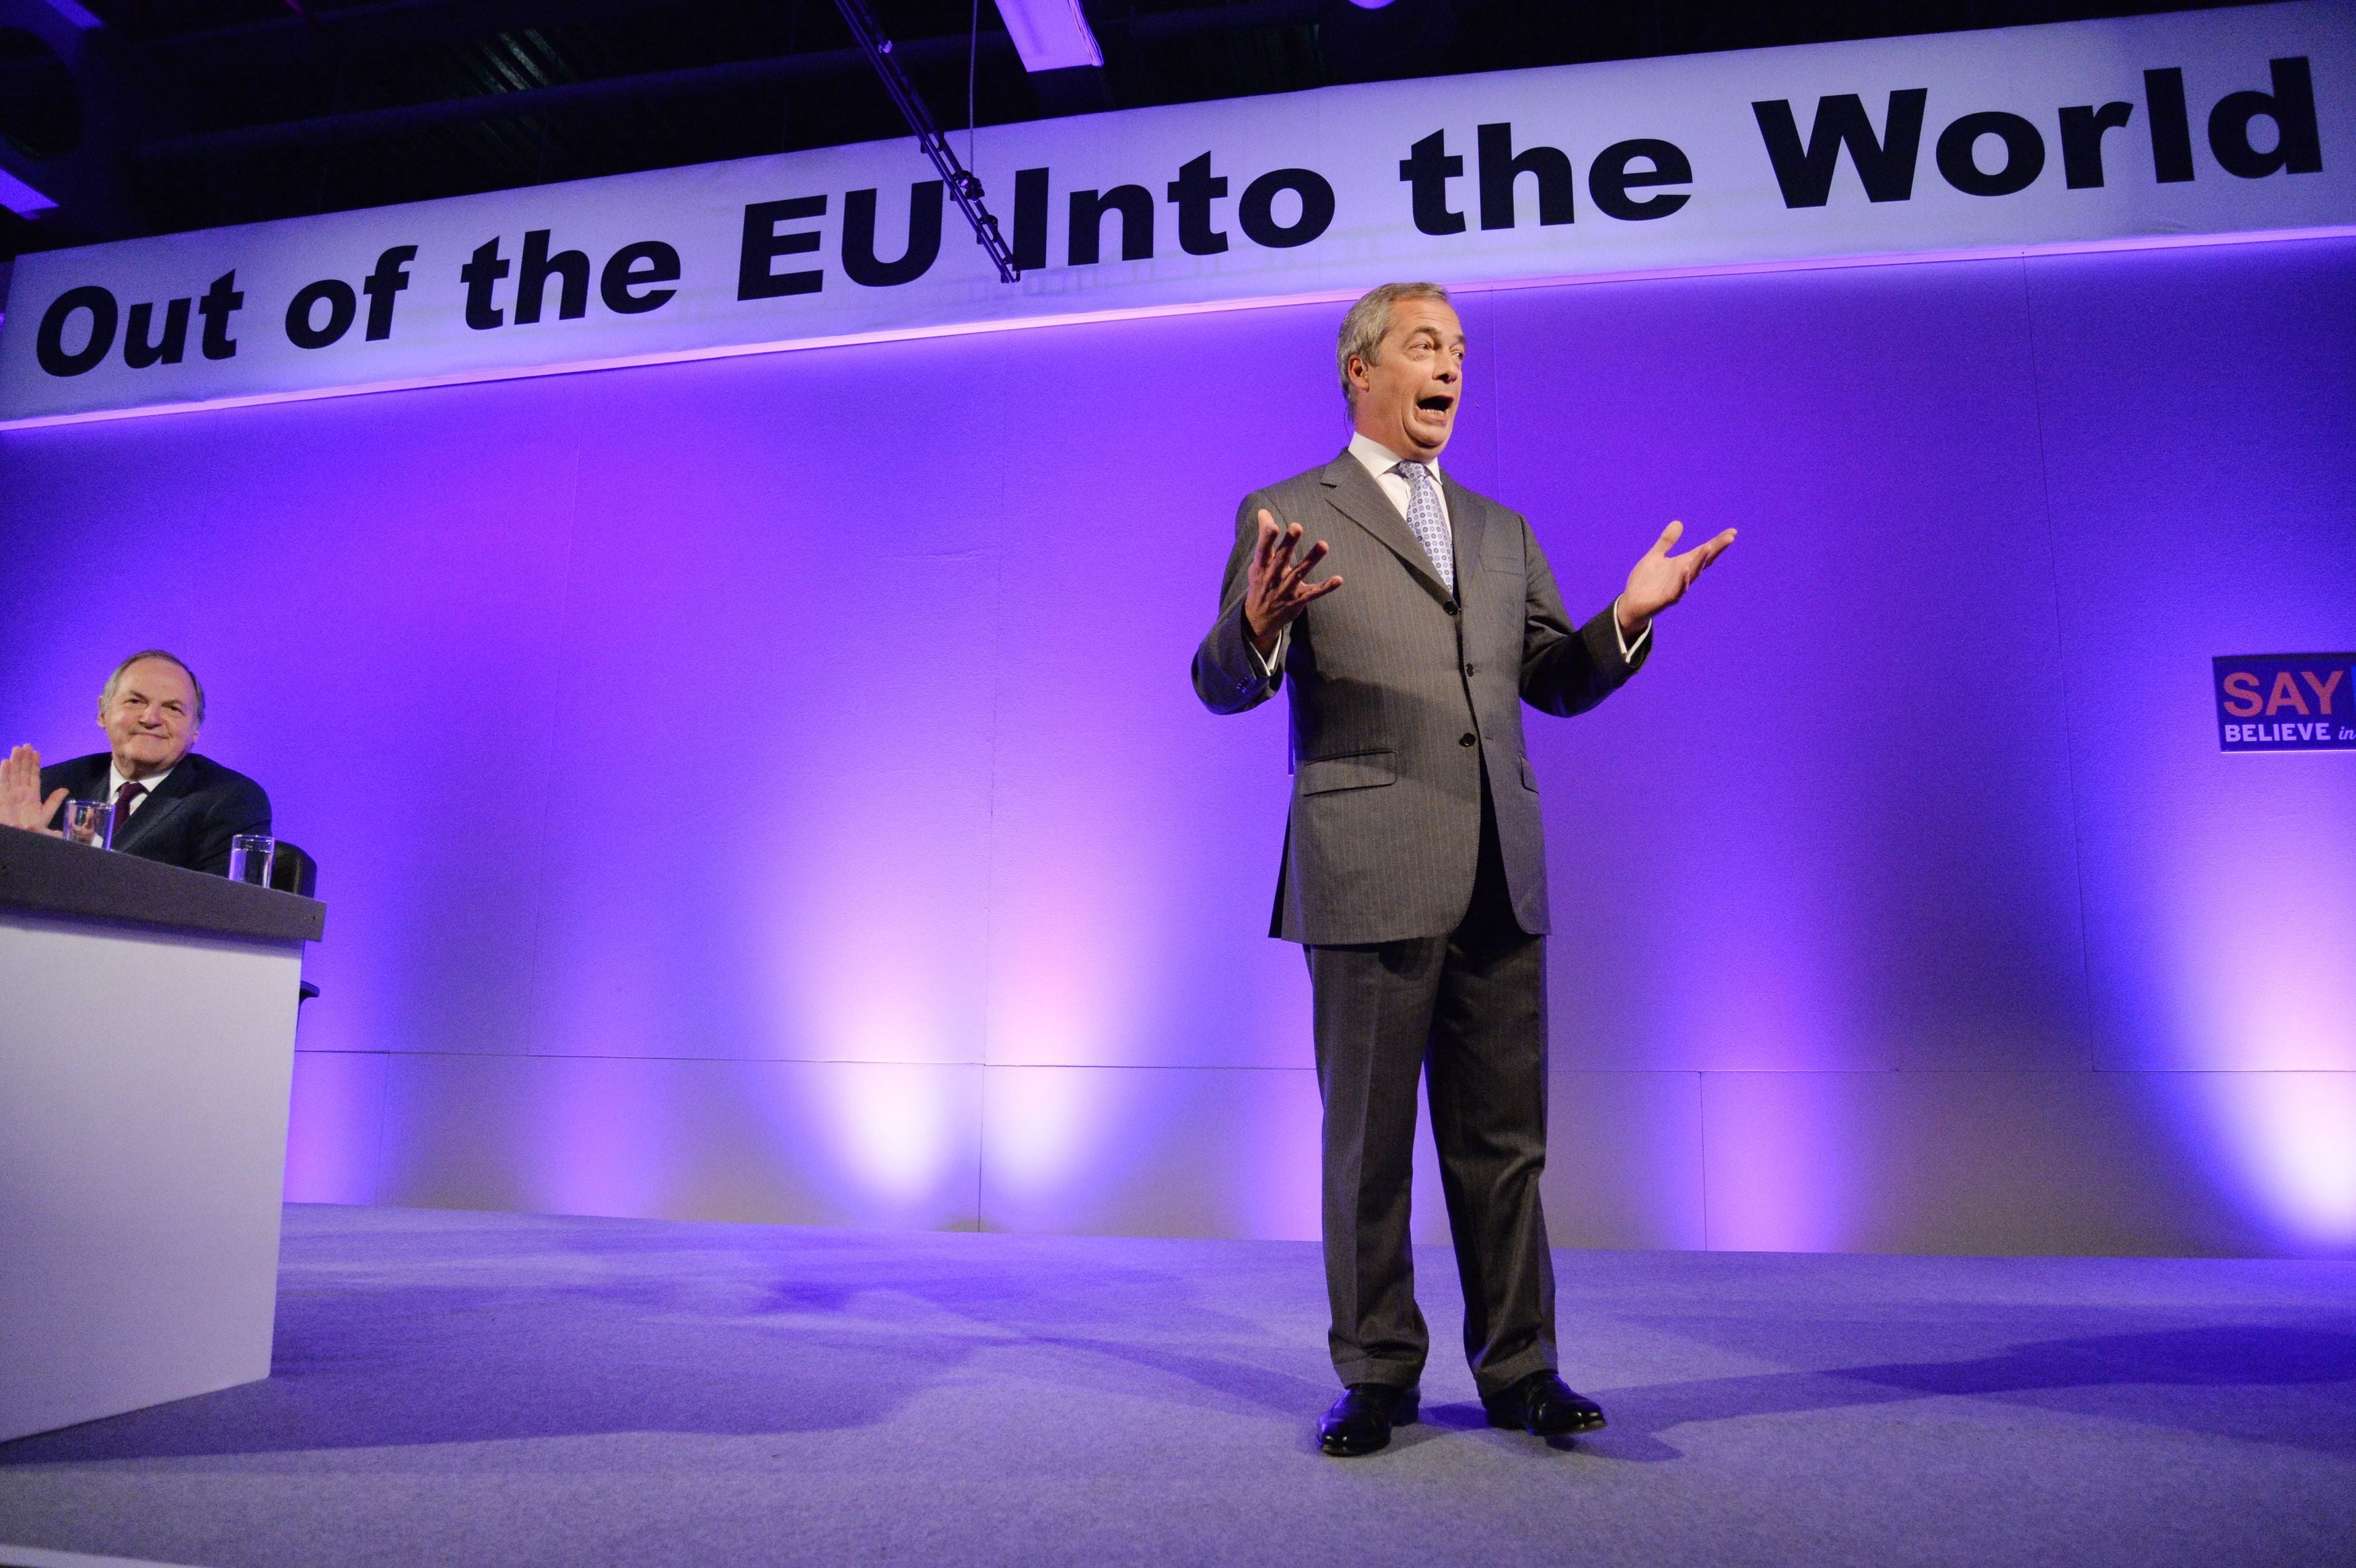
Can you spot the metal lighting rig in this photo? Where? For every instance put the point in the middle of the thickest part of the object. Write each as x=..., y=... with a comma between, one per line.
x=960, y=181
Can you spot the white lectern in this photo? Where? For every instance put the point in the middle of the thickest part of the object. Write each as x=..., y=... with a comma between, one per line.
x=147, y=1048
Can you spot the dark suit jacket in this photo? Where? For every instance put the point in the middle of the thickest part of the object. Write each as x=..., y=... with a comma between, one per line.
x=1402, y=693
x=188, y=821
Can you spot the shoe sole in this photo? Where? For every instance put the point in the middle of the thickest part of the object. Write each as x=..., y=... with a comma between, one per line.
x=1584, y=1424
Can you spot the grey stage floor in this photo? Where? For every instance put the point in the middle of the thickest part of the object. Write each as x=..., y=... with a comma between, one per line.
x=456, y=1388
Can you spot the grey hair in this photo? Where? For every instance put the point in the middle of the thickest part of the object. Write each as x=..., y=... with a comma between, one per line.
x=1369, y=322
x=106, y=697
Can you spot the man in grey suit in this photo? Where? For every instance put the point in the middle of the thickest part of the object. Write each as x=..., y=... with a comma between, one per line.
x=1414, y=871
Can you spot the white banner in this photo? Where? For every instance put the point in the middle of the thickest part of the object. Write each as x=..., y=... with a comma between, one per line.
x=2151, y=129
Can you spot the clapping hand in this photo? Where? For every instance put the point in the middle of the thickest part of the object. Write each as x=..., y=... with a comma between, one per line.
x=21, y=804
x=1278, y=592
x=1660, y=579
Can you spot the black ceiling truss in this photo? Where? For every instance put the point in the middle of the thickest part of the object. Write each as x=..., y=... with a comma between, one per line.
x=960, y=183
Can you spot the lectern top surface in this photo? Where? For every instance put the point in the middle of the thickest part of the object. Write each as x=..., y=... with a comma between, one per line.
x=41, y=875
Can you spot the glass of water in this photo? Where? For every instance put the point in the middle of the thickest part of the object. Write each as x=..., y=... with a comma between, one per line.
x=250, y=854
x=91, y=822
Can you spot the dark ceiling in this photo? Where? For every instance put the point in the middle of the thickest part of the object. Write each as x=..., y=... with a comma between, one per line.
x=231, y=110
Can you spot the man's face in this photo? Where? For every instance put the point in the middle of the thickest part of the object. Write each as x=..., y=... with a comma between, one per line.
x=1406, y=400
x=151, y=721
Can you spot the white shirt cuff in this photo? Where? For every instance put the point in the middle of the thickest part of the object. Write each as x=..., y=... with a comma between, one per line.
x=1627, y=648
x=1274, y=662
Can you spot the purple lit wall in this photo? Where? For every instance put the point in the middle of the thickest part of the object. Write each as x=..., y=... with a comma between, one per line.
x=769, y=788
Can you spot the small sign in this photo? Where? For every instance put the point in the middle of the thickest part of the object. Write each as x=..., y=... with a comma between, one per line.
x=2286, y=702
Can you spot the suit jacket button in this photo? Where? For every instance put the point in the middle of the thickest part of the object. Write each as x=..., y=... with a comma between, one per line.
x=1450, y=606
x=1467, y=739
x=1472, y=669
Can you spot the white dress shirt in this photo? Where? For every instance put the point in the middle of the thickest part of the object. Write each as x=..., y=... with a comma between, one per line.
x=1381, y=463
x=115, y=781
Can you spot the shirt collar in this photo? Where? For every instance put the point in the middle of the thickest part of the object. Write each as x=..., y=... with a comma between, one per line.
x=1379, y=460
x=114, y=780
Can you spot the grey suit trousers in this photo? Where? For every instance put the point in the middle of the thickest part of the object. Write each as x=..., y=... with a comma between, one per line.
x=1466, y=1012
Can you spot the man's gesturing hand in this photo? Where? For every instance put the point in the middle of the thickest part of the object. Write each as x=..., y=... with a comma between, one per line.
x=1660, y=580
x=21, y=804
x=1277, y=592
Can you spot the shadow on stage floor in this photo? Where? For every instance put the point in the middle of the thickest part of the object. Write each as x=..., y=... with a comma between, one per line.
x=705, y=1367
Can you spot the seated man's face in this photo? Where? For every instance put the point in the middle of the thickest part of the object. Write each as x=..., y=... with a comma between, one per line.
x=151, y=721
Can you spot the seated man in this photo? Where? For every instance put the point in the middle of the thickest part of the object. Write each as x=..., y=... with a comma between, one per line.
x=170, y=805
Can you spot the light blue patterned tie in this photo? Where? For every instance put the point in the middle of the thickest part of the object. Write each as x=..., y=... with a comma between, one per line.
x=1430, y=523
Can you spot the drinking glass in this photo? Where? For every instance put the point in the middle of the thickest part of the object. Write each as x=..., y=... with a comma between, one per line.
x=250, y=854
x=91, y=822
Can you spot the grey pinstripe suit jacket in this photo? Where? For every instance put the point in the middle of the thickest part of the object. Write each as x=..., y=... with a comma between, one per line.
x=1400, y=692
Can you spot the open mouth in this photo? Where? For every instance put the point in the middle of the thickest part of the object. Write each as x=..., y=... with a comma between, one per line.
x=1437, y=403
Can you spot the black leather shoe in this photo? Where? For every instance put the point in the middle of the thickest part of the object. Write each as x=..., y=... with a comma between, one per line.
x=1541, y=1405
x=1362, y=1419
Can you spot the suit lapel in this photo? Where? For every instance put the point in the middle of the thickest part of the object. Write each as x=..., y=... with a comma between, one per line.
x=161, y=802
x=1354, y=493
x=145, y=821
x=85, y=776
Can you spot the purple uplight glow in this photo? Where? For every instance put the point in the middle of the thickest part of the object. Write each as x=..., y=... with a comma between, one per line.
x=767, y=786
x=2289, y=1140
x=1051, y=1132
x=2206, y=473
x=1066, y=967
x=595, y=1144
x=2259, y=986
x=337, y=1109
x=2261, y=928
x=894, y=1133
x=1773, y=1180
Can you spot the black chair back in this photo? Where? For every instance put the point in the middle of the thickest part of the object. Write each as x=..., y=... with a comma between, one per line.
x=291, y=871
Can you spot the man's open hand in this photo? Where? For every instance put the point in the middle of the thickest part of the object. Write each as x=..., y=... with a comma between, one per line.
x=1278, y=590
x=21, y=804
x=1660, y=580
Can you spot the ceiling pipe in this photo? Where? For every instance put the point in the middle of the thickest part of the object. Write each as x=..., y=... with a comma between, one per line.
x=567, y=97
x=395, y=22
x=562, y=97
